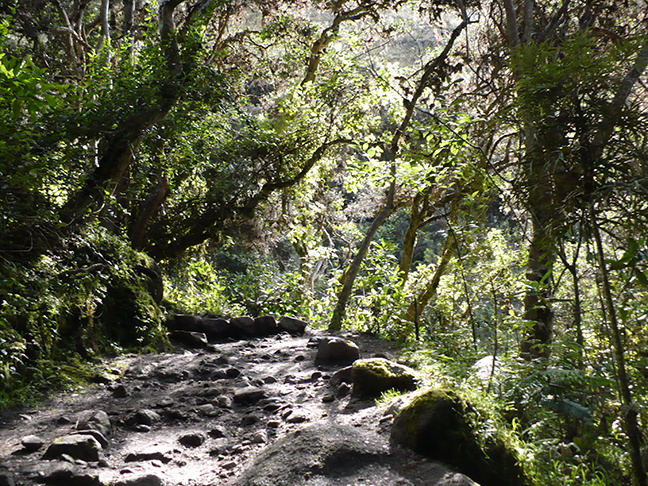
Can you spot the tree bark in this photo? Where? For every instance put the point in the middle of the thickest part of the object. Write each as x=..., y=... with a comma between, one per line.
x=537, y=311
x=417, y=307
x=138, y=230
x=351, y=273
x=629, y=410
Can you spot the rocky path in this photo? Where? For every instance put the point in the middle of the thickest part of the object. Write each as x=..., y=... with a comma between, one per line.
x=246, y=412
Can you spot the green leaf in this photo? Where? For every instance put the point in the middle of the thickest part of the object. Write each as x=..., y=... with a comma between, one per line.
x=641, y=277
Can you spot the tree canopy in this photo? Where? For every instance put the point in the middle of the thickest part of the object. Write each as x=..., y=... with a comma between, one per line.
x=468, y=178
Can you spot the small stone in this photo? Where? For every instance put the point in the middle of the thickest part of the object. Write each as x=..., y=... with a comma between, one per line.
x=143, y=417
x=229, y=465
x=151, y=455
x=120, y=391
x=32, y=443
x=165, y=402
x=224, y=401
x=218, y=432
x=206, y=408
x=232, y=372
x=273, y=424
x=249, y=394
x=192, y=440
x=79, y=446
x=328, y=398
x=260, y=437
x=249, y=420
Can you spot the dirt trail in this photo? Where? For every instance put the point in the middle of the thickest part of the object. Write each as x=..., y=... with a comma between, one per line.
x=235, y=414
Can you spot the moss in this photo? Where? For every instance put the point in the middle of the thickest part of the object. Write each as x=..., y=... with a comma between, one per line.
x=443, y=425
x=371, y=377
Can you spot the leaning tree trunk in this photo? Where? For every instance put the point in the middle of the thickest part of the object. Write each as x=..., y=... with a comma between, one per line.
x=416, y=308
x=349, y=276
x=353, y=269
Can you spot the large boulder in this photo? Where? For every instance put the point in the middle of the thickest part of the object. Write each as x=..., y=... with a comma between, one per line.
x=437, y=424
x=329, y=454
x=373, y=376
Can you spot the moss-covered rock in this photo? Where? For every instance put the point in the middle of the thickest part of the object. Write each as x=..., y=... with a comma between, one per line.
x=442, y=425
x=373, y=376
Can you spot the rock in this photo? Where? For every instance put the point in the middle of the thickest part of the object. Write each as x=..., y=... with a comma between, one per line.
x=436, y=425
x=245, y=325
x=217, y=329
x=150, y=455
x=266, y=325
x=97, y=435
x=292, y=325
x=334, y=454
x=259, y=437
x=98, y=421
x=78, y=446
x=192, y=440
x=343, y=375
x=249, y=394
x=145, y=480
x=120, y=391
x=373, y=376
x=225, y=401
x=232, y=372
x=297, y=417
x=32, y=443
x=68, y=476
x=143, y=417
x=218, y=432
x=6, y=479
x=189, y=338
x=336, y=351
x=184, y=322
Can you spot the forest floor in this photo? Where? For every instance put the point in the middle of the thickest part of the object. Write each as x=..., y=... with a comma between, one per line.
x=249, y=412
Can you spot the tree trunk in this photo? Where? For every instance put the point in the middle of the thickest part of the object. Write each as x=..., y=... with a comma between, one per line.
x=629, y=410
x=136, y=234
x=351, y=273
x=537, y=312
x=416, y=308
x=419, y=208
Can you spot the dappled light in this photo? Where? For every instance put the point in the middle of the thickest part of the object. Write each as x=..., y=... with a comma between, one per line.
x=268, y=242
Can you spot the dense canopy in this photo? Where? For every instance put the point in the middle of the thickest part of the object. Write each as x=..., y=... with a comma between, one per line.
x=467, y=178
